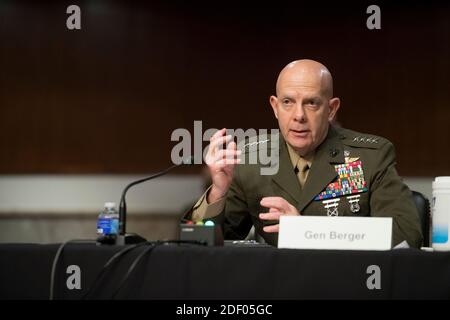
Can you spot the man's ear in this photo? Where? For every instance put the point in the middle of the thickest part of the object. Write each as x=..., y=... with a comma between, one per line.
x=274, y=103
x=334, y=104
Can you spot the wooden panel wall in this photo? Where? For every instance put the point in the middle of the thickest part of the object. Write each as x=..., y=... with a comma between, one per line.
x=106, y=99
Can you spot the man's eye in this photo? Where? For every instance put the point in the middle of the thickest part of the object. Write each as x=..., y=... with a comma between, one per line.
x=286, y=101
x=312, y=103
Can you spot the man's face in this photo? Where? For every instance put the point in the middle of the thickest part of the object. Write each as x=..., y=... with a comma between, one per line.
x=303, y=111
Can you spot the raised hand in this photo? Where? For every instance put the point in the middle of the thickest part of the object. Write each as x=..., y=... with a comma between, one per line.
x=221, y=162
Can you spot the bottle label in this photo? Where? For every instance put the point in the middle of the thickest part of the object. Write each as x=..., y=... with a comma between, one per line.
x=441, y=219
x=107, y=226
x=440, y=234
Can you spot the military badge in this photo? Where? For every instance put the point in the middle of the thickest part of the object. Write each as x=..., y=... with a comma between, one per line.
x=348, y=158
x=350, y=181
x=332, y=207
x=354, y=203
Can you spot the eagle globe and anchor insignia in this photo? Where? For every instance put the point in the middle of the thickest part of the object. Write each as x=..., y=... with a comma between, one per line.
x=350, y=182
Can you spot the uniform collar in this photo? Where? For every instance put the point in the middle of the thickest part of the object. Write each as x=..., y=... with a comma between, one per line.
x=295, y=157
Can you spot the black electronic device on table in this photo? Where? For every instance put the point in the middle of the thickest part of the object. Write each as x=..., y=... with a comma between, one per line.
x=208, y=233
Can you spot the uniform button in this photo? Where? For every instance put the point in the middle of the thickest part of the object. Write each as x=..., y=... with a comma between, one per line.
x=334, y=152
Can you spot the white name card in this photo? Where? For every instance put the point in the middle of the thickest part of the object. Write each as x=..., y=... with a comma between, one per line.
x=336, y=233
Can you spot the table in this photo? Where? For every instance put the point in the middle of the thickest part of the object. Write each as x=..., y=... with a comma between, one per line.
x=194, y=272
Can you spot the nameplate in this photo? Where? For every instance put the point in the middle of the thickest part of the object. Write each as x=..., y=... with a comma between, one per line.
x=335, y=233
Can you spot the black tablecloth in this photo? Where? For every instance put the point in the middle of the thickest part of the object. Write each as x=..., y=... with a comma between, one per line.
x=197, y=272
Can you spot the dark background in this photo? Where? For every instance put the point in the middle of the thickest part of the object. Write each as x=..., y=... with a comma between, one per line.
x=106, y=98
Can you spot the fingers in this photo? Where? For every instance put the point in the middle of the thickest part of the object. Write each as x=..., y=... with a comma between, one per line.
x=275, y=202
x=227, y=153
x=217, y=155
x=232, y=146
x=217, y=144
x=271, y=229
x=277, y=207
x=270, y=215
x=224, y=157
x=227, y=162
x=219, y=133
x=219, y=141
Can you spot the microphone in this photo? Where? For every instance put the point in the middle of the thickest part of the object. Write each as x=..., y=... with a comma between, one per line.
x=131, y=238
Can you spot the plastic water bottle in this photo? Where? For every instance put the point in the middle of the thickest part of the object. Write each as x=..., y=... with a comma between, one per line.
x=441, y=214
x=108, y=220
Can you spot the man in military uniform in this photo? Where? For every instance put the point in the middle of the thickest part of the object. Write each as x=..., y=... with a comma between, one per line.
x=323, y=170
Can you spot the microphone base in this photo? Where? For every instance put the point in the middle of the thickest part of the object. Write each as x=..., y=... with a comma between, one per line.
x=129, y=238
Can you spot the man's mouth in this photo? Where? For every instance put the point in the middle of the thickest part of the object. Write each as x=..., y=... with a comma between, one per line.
x=299, y=133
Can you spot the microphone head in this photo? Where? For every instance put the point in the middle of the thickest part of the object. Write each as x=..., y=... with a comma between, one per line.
x=188, y=160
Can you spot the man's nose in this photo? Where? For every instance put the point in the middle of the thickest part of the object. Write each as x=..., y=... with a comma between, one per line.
x=299, y=113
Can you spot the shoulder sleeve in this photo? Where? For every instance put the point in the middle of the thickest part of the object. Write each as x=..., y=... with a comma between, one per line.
x=204, y=210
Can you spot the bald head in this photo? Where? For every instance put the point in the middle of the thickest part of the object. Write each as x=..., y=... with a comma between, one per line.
x=306, y=72
x=304, y=104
